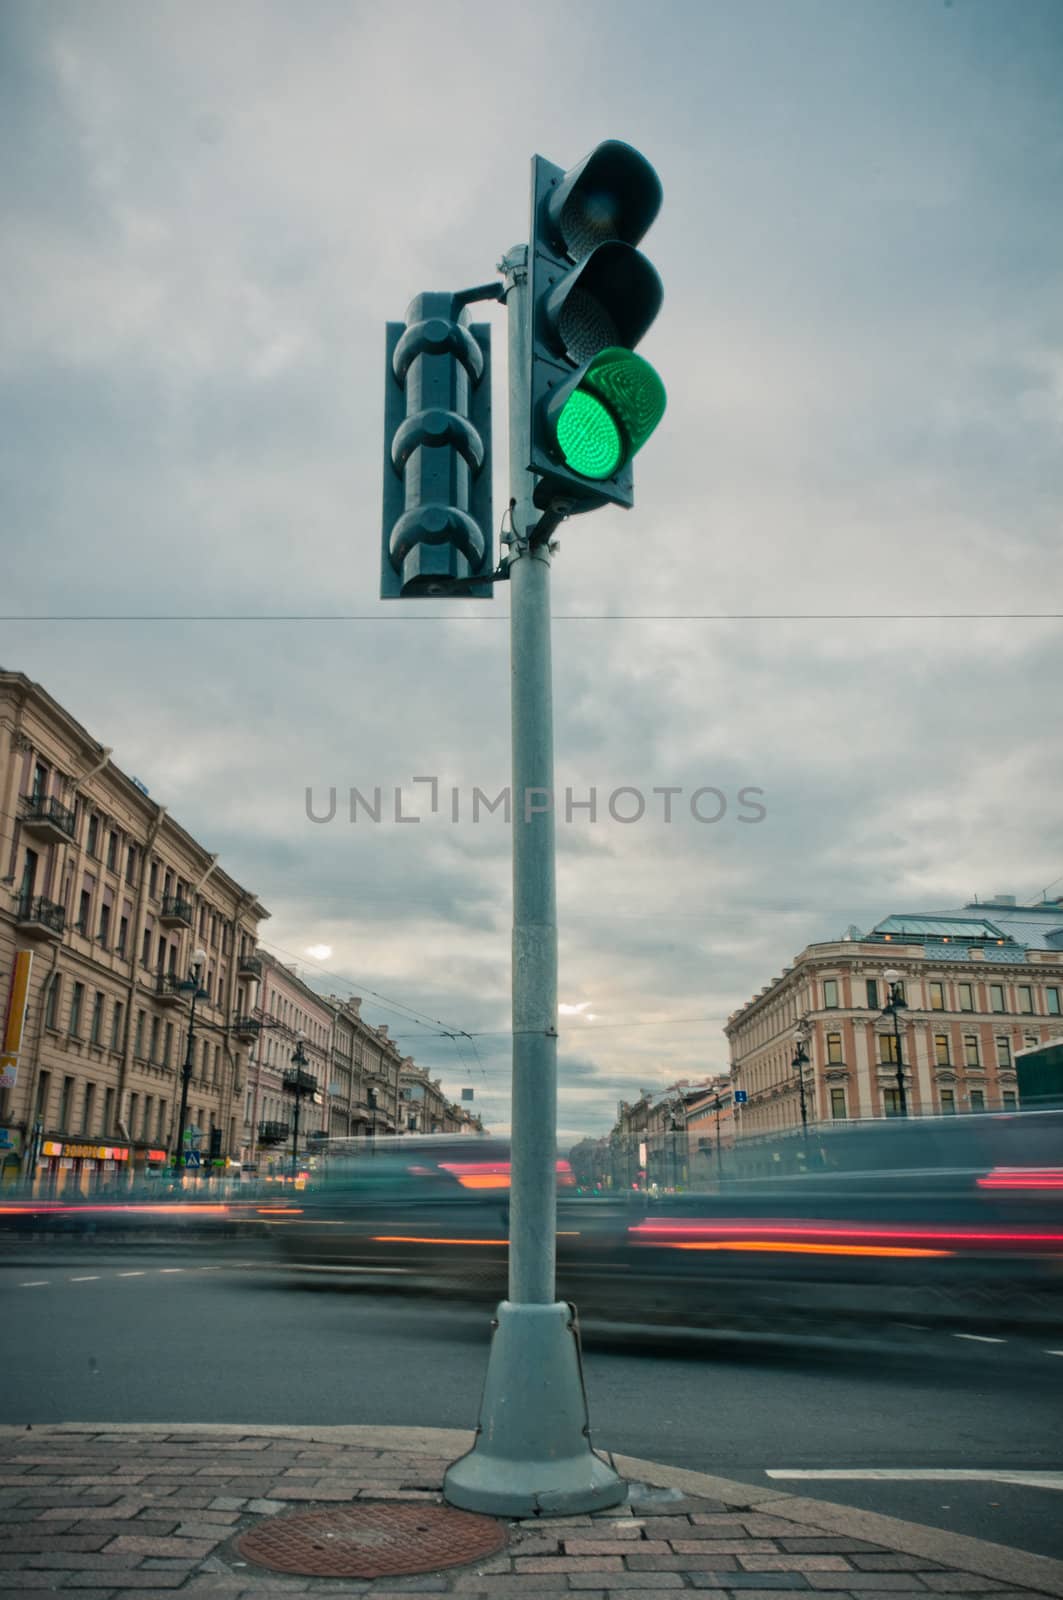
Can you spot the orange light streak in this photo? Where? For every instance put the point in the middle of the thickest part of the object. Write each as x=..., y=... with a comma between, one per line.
x=809, y=1249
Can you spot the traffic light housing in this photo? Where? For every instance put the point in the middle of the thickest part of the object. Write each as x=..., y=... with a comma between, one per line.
x=438, y=536
x=592, y=295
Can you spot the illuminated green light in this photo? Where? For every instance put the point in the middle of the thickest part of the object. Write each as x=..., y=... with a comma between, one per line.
x=616, y=404
x=588, y=436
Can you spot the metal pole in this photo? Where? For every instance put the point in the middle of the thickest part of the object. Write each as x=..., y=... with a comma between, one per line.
x=295, y=1133
x=186, y=1078
x=799, y=1067
x=532, y=1453
x=719, y=1149
x=902, y=1098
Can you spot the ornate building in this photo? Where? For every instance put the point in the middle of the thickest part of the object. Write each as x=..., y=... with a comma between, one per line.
x=104, y=900
x=977, y=985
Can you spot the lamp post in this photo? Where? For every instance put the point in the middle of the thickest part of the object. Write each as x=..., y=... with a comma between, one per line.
x=719, y=1148
x=893, y=1007
x=300, y=1083
x=199, y=958
x=799, y=1063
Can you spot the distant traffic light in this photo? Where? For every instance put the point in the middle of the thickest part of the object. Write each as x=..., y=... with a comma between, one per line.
x=593, y=401
x=437, y=526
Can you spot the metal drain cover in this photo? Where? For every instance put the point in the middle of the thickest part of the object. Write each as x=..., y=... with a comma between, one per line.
x=372, y=1539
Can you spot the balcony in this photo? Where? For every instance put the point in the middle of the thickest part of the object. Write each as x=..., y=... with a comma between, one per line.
x=249, y=967
x=171, y=990
x=246, y=1029
x=47, y=820
x=175, y=913
x=273, y=1132
x=38, y=918
x=299, y=1083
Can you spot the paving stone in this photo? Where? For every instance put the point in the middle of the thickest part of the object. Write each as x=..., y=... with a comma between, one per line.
x=133, y=1545
x=414, y=1583
x=556, y=1566
x=629, y=1582
x=724, y=1547
x=225, y=1502
x=960, y=1582
x=127, y=1579
x=515, y=1586
x=745, y=1581
x=616, y=1547
x=860, y=1582
x=641, y=1594
x=21, y=1582
x=120, y=1510
x=684, y=1563
x=262, y=1508
x=580, y=1521
x=763, y=1526
x=785, y=1563
x=71, y=1561
x=892, y=1561
x=35, y=1537
x=829, y=1544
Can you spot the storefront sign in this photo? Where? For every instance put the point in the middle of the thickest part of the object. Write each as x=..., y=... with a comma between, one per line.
x=84, y=1152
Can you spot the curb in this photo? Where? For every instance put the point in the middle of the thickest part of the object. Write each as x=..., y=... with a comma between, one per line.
x=980, y=1556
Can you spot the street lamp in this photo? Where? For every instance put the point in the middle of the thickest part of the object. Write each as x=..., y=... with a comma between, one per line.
x=199, y=959
x=893, y=1007
x=799, y=1063
x=719, y=1149
x=300, y=1083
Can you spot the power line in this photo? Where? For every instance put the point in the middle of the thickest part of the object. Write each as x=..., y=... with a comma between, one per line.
x=595, y=616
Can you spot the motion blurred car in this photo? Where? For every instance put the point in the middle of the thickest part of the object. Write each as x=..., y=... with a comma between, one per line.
x=931, y=1218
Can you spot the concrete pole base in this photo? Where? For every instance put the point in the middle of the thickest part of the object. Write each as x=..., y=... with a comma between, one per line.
x=532, y=1456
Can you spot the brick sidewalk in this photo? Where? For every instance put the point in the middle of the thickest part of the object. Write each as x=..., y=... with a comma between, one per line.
x=117, y=1514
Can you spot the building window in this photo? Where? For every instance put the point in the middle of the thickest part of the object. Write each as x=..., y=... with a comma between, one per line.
x=131, y=864
x=966, y=997
x=891, y=1100
x=145, y=949
x=168, y=1047
x=837, y=1103
x=40, y=781
x=116, y=1026
x=104, y=933
x=123, y=936
x=887, y=1048
x=134, y=1102
x=75, y=1008
x=84, y=911
x=65, y=1101
x=1025, y=999
x=941, y=1049
x=937, y=997
x=970, y=1050
x=108, y=1112
x=44, y=1083
x=96, y=1029
x=1052, y=1002
x=86, y=1108
x=138, y=1040
x=830, y=994
x=977, y=1100
x=948, y=1102
x=153, y=881
x=160, y=1127
x=872, y=993
x=834, y=1049
x=996, y=996
x=156, y=1034
x=92, y=842
x=145, y=1126
x=1003, y=1052
x=112, y=851
x=1009, y=1100
x=51, y=1009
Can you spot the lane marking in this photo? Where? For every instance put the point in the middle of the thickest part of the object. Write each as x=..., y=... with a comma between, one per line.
x=979, y=1338
x=42, y=1283
x=88, y=1277
x=1030, y=1480
x=139, y=1274
x=1054, y=1352
x=171, y=1269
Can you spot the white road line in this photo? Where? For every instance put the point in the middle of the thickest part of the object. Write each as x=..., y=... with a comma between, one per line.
x=139, y=1274
x=42, y=1283
x=979, y=1338
x=1031, y=1480
x=88, y=1277
x=171, y=1269
x=1054, y=1352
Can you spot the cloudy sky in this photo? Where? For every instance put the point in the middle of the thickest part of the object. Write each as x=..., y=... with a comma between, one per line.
x=209, y=212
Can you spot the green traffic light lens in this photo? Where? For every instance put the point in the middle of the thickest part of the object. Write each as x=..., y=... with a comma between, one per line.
x=615, y=406
x=588, y=436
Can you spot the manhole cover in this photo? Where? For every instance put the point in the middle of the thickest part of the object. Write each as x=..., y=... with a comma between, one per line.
x=372, y=1540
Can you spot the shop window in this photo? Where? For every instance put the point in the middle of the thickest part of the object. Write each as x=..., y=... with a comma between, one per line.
x=837, y=1103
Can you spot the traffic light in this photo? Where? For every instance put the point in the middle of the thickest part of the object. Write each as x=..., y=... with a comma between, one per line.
x=437, y=526
x=593, y=401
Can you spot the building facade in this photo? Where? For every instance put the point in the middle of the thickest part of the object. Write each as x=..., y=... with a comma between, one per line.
x=104, y=900
x=978, y=985
x=289, y=1028
x=653, y=1142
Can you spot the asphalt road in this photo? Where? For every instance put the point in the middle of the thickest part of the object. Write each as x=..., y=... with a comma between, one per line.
x=97, y=1333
